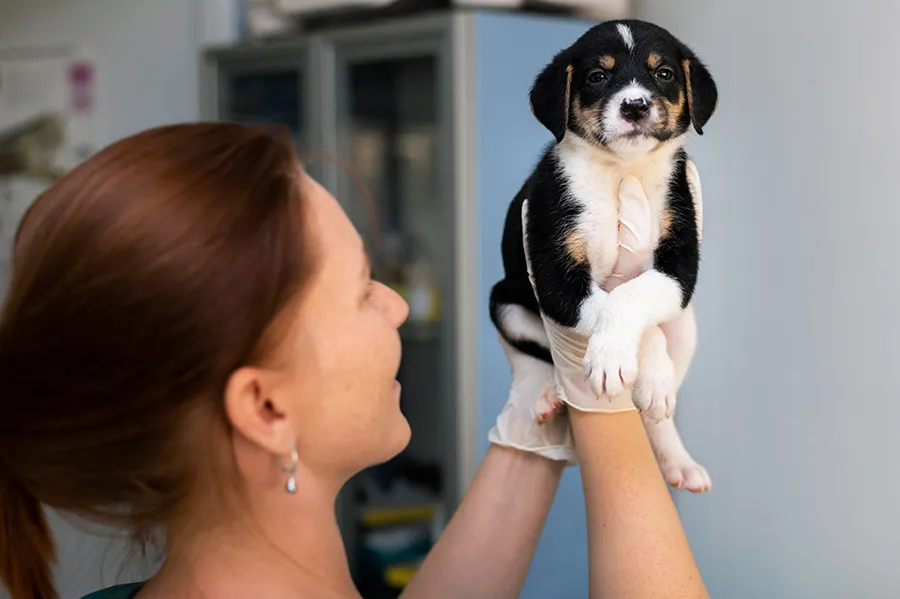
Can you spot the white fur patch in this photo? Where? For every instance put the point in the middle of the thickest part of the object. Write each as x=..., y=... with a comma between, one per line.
x=627, y=36
x=615, y=126
x=648, y=299
x=591, y=307
x=522, y=325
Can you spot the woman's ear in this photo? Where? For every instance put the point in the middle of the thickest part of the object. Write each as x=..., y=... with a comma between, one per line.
x=702, y=95
x=550, y=96
x=253, y=409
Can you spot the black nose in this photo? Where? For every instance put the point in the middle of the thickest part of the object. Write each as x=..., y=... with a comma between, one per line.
x=635, y=109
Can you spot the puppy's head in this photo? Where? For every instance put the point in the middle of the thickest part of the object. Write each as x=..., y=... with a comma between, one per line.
x=627, y=86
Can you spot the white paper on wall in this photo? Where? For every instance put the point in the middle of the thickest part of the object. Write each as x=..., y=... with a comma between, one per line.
x=48, y=123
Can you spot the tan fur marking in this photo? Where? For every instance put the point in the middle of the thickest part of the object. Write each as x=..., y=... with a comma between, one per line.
x=569, y=70
x=607, y=62
x=587, y=118
x=686, y=65
x=577, y=247
x=653, y=61
x=673, y=112
x=665, y=222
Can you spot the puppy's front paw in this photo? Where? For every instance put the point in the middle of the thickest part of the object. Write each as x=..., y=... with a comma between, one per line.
x=610, y=364
x=682, y=472
x=654, y=389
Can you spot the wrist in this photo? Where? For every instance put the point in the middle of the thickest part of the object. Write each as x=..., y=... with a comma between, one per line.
x=533, y=446
x=525, y=460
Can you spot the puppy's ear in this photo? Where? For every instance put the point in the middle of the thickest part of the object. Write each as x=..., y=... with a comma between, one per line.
x=550, y=96
x=702, y=95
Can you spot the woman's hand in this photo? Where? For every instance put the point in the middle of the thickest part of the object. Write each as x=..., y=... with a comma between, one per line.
x=520, y=425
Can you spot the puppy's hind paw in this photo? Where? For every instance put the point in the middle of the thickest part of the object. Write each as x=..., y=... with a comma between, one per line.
x=548, y=404
x=686, y=474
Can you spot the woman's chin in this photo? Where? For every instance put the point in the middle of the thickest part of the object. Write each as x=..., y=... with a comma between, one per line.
x=403, y=435
x=393, y=441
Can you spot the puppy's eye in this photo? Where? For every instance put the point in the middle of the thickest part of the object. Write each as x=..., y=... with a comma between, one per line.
x=665, y=74
x=597, y=77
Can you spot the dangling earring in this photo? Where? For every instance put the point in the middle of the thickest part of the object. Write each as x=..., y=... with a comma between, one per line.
x=291, y=486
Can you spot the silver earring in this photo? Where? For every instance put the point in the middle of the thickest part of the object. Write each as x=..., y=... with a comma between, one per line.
x=291, y=486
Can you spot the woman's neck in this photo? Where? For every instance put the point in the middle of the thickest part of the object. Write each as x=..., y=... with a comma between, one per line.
x=285, y=545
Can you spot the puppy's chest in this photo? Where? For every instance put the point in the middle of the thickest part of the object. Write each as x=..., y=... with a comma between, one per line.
x=594, y=190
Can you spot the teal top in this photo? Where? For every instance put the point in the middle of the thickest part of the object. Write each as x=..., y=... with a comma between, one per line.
x=124, y=591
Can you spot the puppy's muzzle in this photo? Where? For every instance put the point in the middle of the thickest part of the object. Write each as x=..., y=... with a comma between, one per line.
x=635, y=110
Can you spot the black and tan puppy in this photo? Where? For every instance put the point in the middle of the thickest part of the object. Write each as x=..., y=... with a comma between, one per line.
x=620, y=103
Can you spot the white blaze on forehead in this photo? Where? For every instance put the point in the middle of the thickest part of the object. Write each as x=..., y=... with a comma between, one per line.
x=627, y=36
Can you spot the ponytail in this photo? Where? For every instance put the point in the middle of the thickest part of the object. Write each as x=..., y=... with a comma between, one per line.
x=26, y=547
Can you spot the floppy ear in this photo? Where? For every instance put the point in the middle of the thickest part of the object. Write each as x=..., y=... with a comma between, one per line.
x=702, y=95
x=550, y=96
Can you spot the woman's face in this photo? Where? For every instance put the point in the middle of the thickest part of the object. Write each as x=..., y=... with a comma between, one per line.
x=343, y=351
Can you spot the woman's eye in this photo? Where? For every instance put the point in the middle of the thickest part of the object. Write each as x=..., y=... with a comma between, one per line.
x=665, y=73
x=596, y=77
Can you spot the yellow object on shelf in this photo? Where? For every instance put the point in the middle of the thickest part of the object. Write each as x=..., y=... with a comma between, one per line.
x=397, y=577
x=387, y=516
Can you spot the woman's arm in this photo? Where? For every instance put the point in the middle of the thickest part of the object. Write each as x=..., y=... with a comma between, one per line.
x=488, y=545
x=636, y=544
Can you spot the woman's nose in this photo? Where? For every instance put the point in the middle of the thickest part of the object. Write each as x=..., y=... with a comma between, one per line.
x=396, y=308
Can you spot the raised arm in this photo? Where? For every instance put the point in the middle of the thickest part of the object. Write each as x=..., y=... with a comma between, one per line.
x=636, y=543
x=487, y=548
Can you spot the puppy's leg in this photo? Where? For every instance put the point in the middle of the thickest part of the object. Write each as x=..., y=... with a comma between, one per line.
x=678, y=467
x=654, y=388
x=665, y=356
x=681, y=340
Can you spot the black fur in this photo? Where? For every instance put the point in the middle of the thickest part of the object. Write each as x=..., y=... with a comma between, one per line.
x=678, y=252
x=562, y=282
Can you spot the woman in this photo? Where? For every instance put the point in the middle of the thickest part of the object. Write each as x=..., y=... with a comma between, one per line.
x=187, y=344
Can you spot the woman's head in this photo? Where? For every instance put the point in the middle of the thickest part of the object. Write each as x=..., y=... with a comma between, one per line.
x=185, y=308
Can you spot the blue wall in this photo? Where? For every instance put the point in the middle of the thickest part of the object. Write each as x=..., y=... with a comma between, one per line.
x=510, y=51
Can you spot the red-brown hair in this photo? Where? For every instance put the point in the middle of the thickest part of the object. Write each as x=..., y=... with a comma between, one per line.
x=140, y=281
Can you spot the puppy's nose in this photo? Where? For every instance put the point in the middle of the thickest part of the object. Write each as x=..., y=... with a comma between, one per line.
x=635, y=109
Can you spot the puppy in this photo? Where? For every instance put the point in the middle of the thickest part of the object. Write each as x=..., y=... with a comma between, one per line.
x=620, y=103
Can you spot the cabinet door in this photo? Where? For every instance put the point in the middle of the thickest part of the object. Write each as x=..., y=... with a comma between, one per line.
x=391, y=132
x=265, y=95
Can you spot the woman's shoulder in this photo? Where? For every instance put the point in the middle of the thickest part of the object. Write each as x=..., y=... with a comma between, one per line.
x=124, y=591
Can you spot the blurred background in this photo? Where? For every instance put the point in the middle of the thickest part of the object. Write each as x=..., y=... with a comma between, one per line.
x=792, y=399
